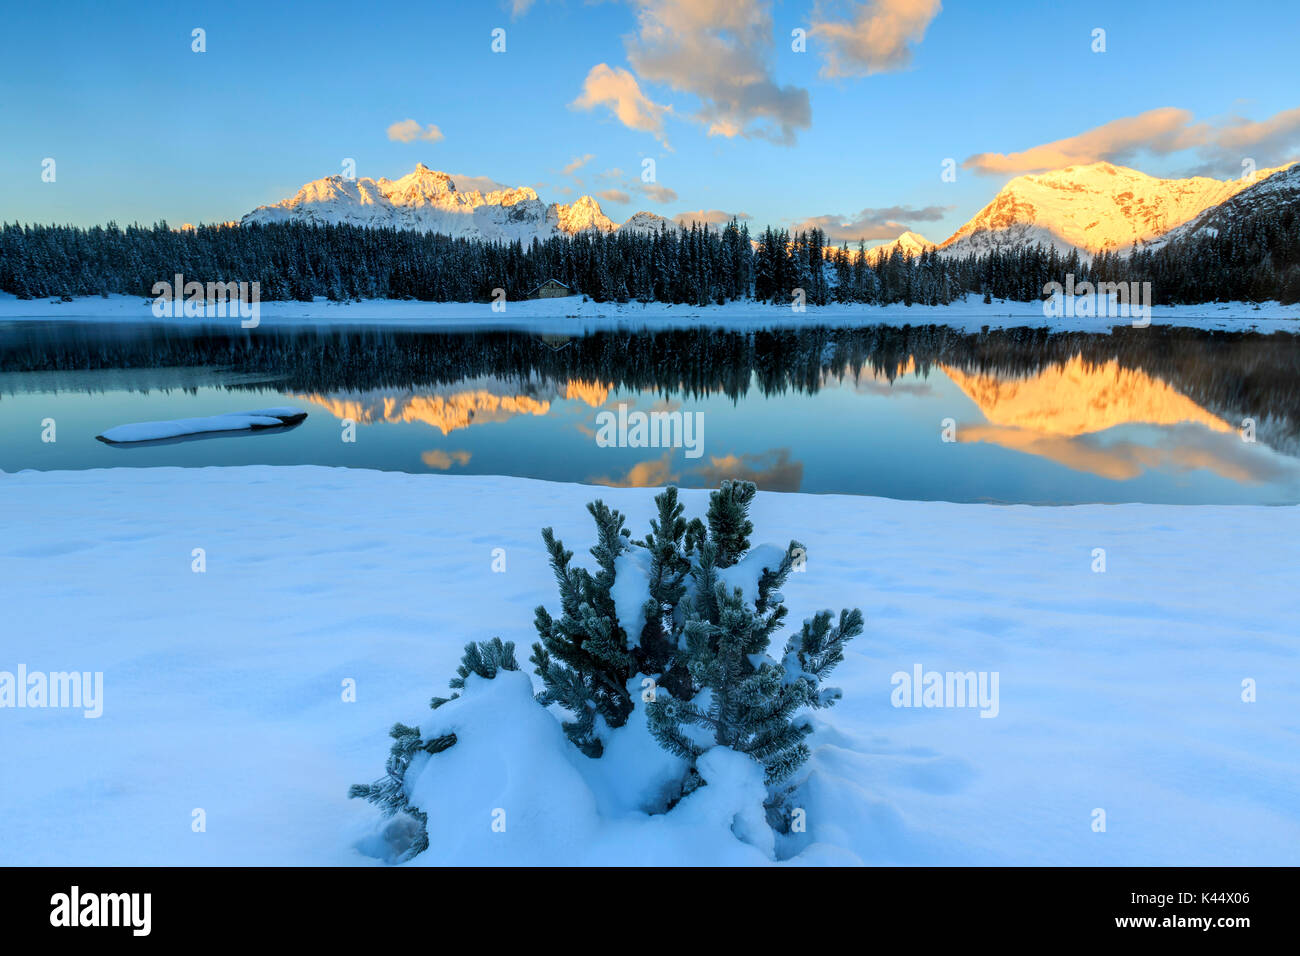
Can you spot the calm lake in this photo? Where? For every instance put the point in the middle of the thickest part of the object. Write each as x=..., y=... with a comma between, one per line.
x=1152, y=415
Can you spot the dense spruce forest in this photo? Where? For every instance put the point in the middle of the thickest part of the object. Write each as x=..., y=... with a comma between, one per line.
x=1256, y=259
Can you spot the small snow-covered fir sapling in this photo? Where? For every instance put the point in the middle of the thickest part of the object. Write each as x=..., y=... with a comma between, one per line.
x=703, y=643
x=744, y=699
x=671, y=542
x=583, y=657
x=711, y=608
x=389, y=793
x=729, y=524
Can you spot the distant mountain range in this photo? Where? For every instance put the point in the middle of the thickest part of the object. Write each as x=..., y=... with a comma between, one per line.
x=427, y=200
x=1093, y=208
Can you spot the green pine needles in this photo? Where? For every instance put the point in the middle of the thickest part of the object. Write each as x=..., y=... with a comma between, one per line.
x=484, y=659
x=745, y=702
x=670, y=543
x=389, y=793
x=729, y=524
x=705, y=630
x=583, y=657
x=703, y=643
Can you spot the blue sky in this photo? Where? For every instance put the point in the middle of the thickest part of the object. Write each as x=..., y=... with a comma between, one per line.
x=855, y=128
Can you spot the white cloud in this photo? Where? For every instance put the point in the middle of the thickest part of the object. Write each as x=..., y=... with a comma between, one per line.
x=870, y=223
x=1269, y=142
x=408, y=131
x=577, y=163
x=659, y=193
x=1162, y=130
x=718, y=51
x=875, y=36
x=1280, y=131
x=708, y=217
x=613, y=195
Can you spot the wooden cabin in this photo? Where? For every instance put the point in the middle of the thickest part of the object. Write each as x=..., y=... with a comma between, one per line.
x=550, y=289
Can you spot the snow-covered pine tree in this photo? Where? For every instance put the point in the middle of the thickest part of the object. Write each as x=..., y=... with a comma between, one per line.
x=741, y=697
x=484, y=659
x=729, y=523
x=669, y=565
x=752, y=707
x=583, y=657
x=388, y=793
x=817, y=649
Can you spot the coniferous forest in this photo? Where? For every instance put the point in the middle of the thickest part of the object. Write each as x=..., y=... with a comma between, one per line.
x=1255, y=259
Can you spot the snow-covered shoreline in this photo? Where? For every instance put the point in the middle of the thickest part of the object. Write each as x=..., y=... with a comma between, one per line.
x=572, y=316
x=223, y=689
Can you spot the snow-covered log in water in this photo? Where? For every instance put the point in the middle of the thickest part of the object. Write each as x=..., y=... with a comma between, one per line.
x=180, y=427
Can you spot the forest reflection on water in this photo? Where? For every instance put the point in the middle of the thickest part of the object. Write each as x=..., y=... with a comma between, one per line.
x=1157, y=415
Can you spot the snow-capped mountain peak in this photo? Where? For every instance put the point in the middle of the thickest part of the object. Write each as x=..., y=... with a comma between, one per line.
x=1093, y=207
x=1271, y=190
x=582, y=214
x=422, y=186
x=910, y=244
x=647, y=223
x=427, y=200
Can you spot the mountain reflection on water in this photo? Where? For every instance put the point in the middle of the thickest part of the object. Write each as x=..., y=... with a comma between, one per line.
x=1152, y=414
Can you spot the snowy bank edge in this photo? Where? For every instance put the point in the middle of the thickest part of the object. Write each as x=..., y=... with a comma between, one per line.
x=571, y=315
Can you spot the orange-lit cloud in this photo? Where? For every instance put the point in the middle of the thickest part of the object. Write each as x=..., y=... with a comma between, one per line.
x=870, y=223
x=876, y=36
x=1160, y=131
x=659, y=193
x=1279, y=132
x=708, y=217
x=719, y=51
x=408, y=131
x=577, y=163
x=1275, y=140
x=1163, y=130
x=617, y=89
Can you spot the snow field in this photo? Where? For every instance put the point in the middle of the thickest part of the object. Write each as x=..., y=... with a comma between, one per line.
x=224, y=691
